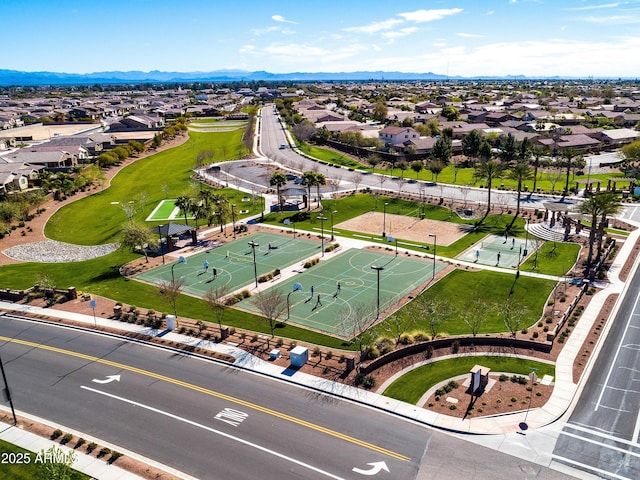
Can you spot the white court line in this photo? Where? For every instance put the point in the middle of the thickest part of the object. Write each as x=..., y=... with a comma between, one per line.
x=217, y=432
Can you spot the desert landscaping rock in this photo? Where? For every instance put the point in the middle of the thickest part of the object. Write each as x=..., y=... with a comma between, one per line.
x=51, y=251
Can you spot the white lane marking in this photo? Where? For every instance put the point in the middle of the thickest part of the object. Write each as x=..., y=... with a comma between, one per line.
x=615, y=358
x=109, y=379
x=590, y=468
x=217, y=432
x=602, y=444
x=599, y=433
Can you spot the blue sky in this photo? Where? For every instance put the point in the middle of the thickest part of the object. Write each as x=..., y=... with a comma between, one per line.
x=465, y=37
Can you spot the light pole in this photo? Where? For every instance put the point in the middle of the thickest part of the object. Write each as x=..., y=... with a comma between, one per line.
x=322, y=219
x=378, y=270
x=161, y=245
x=7, y=392
x=181, y=259
x=332, y=212
x=253, y=246
x=384, y=219
x=434, y=254
x=233, y=219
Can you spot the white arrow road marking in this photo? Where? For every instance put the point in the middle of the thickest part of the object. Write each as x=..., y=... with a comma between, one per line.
x=218, y=432
x=376, y=467
x=110, y=378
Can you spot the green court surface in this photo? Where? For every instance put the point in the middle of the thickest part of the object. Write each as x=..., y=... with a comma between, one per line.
x=499, y=251
x=166, y=210
x=339, y=313
x=233, y=263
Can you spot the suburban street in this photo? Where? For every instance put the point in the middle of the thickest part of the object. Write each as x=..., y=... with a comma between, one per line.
x=251, y=175
x=602, y=432
x=198, y=416
x=214, y=421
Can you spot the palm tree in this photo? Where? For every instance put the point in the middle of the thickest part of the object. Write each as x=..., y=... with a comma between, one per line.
x=597, y=206
x=520, y=173
x=488, y=170
x=568, y=154
x=184, y=203
x=537, y=152
x=308, y=179
x=278, y=180
x=319, y=181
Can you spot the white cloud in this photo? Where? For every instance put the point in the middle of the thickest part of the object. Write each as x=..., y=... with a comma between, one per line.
x=490, y=12
x=469, y=35
x=612, y=19
x=596, y=7
x=375, y=27
x=280, y=18
x=403, y=32
x=421, y=16
x=273, y=29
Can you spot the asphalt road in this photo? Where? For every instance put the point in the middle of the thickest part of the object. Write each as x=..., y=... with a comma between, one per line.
x=202, y=418
x=601, y=436
x=213, y=421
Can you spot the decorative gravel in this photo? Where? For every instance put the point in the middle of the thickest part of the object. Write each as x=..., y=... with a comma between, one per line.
x=50, y=251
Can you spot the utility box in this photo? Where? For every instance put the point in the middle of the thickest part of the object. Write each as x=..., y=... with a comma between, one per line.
x=171, y=322
x=299, y=356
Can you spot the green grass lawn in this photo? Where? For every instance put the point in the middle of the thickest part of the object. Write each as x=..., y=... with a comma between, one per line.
x=24, y=471
x=460, y=288
x=97, y=219
x=411, y=386
x=553, y=258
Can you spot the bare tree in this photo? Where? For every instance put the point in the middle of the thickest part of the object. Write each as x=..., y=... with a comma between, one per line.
x=397, y=324
x=166, y=189
x=554, y=178
x=512, y=313
x=217, y=302
x=401, y=181
x=271, y=304
x=503, y=201
x=356, y=179
x=464, y=192
x=435, y=310
x=353, y=323
x=474, y=314
x=382, y=180
x=129, y=210
x=171, y=290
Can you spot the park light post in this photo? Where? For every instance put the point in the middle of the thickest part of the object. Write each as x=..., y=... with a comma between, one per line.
x=434, y=254
x=233, y=219
x=181, y=259
x=253, y=246
x=378, y=270
x=160, y=238
x=7, y=392
x=322, y=219
x=384, y=220
x=332, y=212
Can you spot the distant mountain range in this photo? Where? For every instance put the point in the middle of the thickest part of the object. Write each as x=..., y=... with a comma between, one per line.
x=18, y=78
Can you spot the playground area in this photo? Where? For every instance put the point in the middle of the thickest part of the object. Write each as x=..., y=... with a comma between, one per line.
x=500, y=251
x=230, y=264
x=340, y=296
x=406, y=227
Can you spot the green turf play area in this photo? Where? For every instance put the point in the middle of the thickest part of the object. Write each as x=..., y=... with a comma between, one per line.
x=167, y=210
x=233, y=262
x=334, y=314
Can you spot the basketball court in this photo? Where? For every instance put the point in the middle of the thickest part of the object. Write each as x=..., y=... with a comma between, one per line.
x=231, y=264
x=340, y=309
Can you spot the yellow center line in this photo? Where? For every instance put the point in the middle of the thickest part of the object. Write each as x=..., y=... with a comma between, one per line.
x=213, y=393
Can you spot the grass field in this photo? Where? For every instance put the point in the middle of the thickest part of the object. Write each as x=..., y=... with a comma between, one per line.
x=23, y=471
x=411, y=386
x=460, y=290
x=339, y=312
x=98, y=219
x=233, y=263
